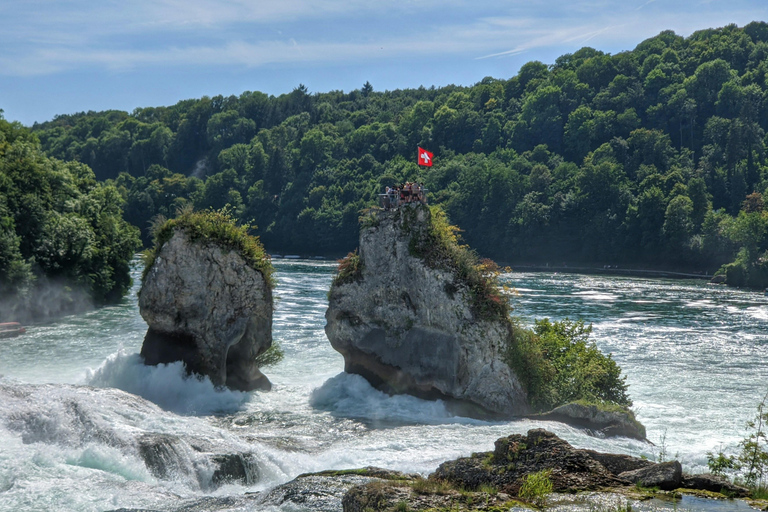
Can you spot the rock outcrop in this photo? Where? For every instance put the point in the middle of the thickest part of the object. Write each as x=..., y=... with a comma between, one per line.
x=409, y=327
x=496, y=478
x=572, y=469
x=171, y=457
x=597, y=421
x=206, y=307
x=516, y=456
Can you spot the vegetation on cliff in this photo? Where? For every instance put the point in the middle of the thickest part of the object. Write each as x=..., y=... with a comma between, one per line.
x=350, y=269
x=63, y=241
x=439, y=245
x=555, y=361
x=644, y=157
x=213, y=226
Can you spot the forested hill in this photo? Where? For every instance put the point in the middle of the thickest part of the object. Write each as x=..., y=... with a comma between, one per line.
x=652, y=157
x=64, y=245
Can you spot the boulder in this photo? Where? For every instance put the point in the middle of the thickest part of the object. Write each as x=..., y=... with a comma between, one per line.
x=666, y=475
x=618, y=463
x=409, y=327
x=170, y=457
x=324, y=491
x=600, y=421
x=206, y=307
x=713, y=483
x=516, y=456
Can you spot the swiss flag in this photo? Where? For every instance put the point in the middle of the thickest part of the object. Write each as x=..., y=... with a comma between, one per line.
x=425, y=157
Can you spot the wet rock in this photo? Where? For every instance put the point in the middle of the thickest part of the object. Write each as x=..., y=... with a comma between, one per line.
x=170, y=457
x=666, y=476
x=712, y=483
x=600, y=421
x=239, y=468
x=516, y=456
x=410, y=328
x=206, y=307
x=323, y=492
x=164, y=455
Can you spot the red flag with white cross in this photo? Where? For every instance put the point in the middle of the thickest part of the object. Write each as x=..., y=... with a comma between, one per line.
x=425, y=157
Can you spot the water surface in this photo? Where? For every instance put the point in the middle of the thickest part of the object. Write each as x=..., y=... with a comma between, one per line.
x=75, y=397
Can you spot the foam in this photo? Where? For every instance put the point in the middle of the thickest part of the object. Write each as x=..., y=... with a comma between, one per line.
x=351, y=396
x=110, y=460
x=167, y=385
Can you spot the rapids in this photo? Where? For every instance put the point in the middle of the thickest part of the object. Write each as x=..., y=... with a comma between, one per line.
x=76, y=403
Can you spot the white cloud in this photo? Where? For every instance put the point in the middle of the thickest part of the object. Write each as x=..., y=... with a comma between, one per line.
x=40, y=37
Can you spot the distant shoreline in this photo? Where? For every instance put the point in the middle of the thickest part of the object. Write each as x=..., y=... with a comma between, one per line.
x=613, y=270
x=633, y=272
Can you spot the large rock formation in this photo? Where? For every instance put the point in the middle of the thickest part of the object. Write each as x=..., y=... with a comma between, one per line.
x=409, y=327
x=206, y=307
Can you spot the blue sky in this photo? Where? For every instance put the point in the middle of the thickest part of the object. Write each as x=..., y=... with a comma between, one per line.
x=67, y=56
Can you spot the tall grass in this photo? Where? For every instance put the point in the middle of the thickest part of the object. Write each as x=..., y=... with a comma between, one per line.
x=536, y=487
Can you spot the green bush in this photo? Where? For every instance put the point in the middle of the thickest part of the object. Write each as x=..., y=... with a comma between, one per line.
x=558, y=364
x=754, y=450
x=720, y=464
x=214, y=226
x=270, y=357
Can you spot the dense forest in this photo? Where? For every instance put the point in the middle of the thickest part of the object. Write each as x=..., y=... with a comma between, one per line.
x=64, y=245
x=653, y=157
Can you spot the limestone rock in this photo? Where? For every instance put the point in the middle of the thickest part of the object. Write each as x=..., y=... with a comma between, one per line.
x=666, y=475
x=599, y=421
x=514, y=457
x=206, y=307
x=619, y=463
x=410, y=328
x=324, y=491
x=172, y=457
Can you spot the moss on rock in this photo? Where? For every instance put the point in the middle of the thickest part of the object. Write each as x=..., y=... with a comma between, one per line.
x=213, y=226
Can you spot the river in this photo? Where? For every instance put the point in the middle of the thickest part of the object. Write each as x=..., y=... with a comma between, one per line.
x=74, y=397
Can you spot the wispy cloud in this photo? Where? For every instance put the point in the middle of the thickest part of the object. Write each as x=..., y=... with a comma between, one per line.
x=41, y=37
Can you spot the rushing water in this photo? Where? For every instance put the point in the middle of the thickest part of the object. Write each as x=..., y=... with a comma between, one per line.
x=75, y=399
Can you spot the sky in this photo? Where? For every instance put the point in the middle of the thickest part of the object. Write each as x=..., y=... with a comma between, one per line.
x=68, y=56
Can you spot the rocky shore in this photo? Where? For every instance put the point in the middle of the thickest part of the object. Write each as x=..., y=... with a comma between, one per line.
x=581, y=480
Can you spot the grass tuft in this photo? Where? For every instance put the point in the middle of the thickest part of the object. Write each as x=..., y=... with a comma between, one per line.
x=536, y=487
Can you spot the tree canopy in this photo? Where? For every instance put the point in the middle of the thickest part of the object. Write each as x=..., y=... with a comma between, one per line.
x=63, y=241
x=645, y=157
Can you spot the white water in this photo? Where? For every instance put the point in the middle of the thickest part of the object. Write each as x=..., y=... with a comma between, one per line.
x=75, y=399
